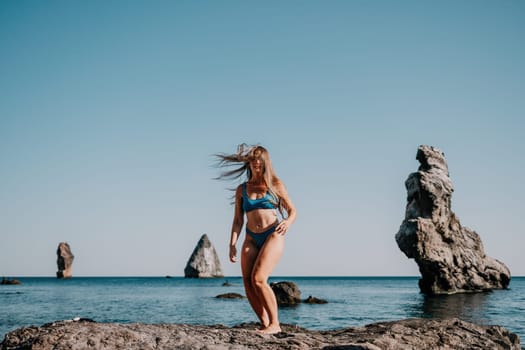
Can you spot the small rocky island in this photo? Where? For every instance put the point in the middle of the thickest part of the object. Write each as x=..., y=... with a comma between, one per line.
x=204, y=261
x=409, y=334
x=450, y=257
x=288, y=294
x=9, y=281
x=64, y=261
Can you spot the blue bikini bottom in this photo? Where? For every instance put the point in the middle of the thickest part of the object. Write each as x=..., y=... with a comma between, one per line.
x=261, y=237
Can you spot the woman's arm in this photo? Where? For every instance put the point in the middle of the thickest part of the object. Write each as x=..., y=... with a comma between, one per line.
x=288, y=205
x=238, y=221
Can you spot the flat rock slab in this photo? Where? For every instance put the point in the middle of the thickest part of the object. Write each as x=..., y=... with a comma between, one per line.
x=405, y=334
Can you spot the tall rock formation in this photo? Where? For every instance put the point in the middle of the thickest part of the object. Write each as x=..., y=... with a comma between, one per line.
x=64, y=261
x=450, y=257
x=204, y=261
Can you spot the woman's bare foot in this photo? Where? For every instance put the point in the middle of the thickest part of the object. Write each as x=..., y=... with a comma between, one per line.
x=263, y=324
x=271, y=329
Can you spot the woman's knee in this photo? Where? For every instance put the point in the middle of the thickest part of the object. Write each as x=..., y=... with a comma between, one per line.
x=259, y=279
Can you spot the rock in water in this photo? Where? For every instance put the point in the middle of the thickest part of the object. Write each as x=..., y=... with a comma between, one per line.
x=450, y=257
x=314, y=300
x=286, y=293
x=64, y=261
x=8, y=281
x=230, y=296
x=204, y=261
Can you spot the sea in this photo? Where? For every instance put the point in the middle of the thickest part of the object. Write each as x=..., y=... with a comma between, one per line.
x=352, y=302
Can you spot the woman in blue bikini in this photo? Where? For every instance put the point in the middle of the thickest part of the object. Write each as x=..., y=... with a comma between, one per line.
x=259, y=198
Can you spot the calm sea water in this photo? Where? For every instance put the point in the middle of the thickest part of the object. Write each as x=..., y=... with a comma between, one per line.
x=352, y=301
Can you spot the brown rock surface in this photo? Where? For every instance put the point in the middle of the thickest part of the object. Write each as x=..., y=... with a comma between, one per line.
x=450, y=257
x=409, y=334
x=64, y=261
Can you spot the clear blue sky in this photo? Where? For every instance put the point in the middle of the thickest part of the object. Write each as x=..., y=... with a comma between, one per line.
x=110, y=112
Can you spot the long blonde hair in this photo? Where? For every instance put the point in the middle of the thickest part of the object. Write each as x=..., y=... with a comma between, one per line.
x=240, y=161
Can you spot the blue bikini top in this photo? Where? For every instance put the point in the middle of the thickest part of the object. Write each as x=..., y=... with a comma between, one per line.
x=266, y=202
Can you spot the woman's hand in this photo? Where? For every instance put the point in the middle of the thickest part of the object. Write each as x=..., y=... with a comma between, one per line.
x=233, y=253
x=282, y=228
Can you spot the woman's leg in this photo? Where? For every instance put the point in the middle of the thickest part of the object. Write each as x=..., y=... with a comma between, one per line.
x=248, y=258
x=268, y=257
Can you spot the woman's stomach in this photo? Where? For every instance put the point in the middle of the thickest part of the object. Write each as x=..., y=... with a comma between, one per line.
x=260, y=220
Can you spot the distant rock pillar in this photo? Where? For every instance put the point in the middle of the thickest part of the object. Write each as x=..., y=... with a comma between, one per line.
x=64, y=261
x=450, y=257
x=204, y=261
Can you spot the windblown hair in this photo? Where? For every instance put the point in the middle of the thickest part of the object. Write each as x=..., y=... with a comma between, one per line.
x=238, y=164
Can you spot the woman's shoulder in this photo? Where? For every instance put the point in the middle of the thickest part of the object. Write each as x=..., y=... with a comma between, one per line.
x=278, y=184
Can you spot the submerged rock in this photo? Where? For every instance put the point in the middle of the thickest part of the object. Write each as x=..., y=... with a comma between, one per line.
x=204, y=261
x=405, y=334
x=64, y=261
x=450, y=257
x=230, y=296
x=314, y=300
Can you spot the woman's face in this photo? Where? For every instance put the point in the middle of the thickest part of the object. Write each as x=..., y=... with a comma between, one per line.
x=257, y=165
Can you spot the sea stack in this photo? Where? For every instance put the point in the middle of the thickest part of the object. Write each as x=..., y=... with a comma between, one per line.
x=204, y=261
x=64, y=261
x=450, y=257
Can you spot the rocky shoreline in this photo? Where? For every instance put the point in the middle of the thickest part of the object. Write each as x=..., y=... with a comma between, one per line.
x=404, y=334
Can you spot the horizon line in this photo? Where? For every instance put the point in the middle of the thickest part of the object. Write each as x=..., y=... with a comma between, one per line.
x=220, y=277
x=182, y=276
